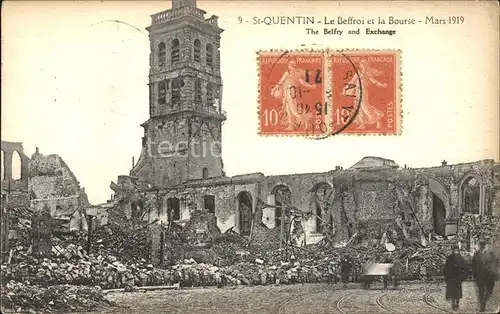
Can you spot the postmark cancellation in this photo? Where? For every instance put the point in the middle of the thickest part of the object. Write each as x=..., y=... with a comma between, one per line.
x=319, y=93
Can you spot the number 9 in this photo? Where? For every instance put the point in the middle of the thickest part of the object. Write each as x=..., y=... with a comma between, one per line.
x=240, y=19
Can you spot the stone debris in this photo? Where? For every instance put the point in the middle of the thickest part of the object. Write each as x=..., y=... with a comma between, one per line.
x=71, y=265
x=126, y=241
x=24, y=298
x=225, y=259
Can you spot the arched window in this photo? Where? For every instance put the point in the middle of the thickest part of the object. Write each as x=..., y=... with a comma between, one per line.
x=210, y=94
x=209, y=203
x=162, y=55
x=322, y=198
x=245, y=212
x=173, y=209
x=283, y=199
x=162, y=92
x=197, y=90
x=438, y=215
x=175, y=50
x=197, y=50
x=471, y=192
x=177, y=84
x=210, y=55
x=205, y=173
x=16, y=166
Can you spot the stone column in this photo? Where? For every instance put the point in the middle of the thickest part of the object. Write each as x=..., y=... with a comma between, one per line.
x=482, y=198
x=7, y=165
x=423, y=210
x=4, y=218
x=455, y=202
x=155, y=231
x=24, y=170
x=162, y=214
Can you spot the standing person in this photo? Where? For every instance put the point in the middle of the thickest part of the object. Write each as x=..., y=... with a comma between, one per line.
x=345, y=268
x=454, y=273
x=385, y=278
x=365, y=278
x=397, y=270
x=331, y=273
x=485, y=272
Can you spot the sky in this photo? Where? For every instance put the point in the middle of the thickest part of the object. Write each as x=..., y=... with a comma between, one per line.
x=74, y=84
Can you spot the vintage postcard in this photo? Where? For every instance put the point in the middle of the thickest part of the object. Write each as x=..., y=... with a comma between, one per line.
x=246, y=156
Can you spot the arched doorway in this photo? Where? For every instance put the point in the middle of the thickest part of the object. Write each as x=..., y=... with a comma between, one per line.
x=282, y=200
x=438, y=215
x=244, y=212
x=173, y=209
x=209, y=203
x=440, y=204
x=321, y=199
x=471, y=195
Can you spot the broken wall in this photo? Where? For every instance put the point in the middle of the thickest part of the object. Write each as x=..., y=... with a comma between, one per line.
x=51, y=177
x=55, y=188
x=302, y=188
x=191, y=197
x=354, y=197
x=9, y=183
x=225, y=192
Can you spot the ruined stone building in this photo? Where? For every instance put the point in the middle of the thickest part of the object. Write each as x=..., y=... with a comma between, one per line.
x=37, y=185
x=15, y=187
x=172, y=179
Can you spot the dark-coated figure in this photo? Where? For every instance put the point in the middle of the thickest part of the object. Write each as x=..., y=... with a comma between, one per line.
x=455, y=272
x=485, y=272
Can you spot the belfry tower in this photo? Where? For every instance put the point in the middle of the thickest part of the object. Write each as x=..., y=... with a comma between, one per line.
x=182, y=137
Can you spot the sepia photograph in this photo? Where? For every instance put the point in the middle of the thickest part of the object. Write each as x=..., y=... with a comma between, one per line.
x=250, y=156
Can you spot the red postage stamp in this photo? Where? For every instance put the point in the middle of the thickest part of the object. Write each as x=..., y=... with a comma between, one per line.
x=366, y=92
x=292, y=93
x=323, y=93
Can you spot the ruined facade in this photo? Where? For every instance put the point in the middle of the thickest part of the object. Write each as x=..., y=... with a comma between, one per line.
x=41, y=184
x=54, y=187
x=15, y=188
x=185, y=107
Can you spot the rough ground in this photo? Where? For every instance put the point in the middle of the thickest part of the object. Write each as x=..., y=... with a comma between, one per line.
x=303, y=299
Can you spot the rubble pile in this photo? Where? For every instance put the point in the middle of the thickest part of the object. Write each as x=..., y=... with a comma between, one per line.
x=311, y=262
x=126, y=241
x=222, y=250
x=71, y=265
x=479, y=227
x=203, y=223
x=25, y=298
x=118, y=260
x=190, y=273
x=418, y=262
